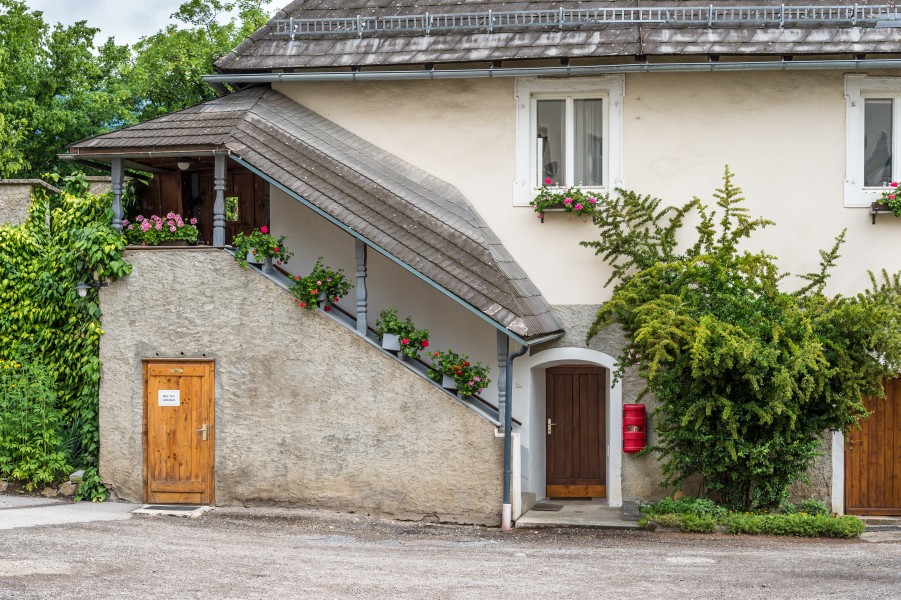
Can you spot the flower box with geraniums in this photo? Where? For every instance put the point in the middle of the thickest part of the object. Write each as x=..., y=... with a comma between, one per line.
x=889, y=201
x=171, y=230
x=400, y=336
x=261, y=246
x=323, y=285
x=454, y=371
x=573, y=201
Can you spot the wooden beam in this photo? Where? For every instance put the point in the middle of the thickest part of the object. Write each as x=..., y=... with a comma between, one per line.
x=219, y=204
x=362, y=298
x=118, y=175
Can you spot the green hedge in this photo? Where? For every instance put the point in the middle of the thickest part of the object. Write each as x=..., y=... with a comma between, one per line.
x=799, y=524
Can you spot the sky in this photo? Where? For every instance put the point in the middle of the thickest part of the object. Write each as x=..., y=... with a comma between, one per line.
x=126, y=20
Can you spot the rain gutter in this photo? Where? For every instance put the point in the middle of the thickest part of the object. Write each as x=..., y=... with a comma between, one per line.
x=392, y=258
x=507, y=509
x=563, y=71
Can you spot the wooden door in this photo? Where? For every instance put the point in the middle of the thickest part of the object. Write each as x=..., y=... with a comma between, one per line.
x=873, y=457
x=178, y=432
x=575, y=428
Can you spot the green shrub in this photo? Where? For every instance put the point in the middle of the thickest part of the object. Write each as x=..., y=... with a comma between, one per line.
x=699, y=507
x=31, y=442
x=813, y=507
x=687, y=523
x=799, y=524
x=747, y=374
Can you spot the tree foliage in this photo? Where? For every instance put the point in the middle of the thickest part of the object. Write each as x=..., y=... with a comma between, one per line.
x=58, y=86
x=748, y=376
x=45, y=326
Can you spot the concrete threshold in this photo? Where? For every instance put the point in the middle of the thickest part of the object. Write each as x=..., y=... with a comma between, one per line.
x=173, y=510
x=594, y=514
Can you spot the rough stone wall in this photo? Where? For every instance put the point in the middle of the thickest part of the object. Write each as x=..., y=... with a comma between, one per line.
x=14, y=199
x=307, y=413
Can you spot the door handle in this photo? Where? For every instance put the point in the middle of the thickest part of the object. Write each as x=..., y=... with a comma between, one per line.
x=202, y=430
x=549, y=425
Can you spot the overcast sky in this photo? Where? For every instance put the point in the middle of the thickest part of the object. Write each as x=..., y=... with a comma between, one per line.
x=127, y=21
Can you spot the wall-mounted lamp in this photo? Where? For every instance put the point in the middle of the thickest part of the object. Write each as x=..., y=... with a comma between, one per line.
x=82, y=288
x=184, y=165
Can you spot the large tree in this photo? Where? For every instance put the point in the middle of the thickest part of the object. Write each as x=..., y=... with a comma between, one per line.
x=747, y=373
x=58, y=86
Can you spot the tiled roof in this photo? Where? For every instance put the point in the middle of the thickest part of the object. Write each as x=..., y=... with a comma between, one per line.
x=265, y=50
x=419, y=219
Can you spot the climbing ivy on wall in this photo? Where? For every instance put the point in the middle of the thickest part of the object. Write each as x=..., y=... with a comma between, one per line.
x=47, y=328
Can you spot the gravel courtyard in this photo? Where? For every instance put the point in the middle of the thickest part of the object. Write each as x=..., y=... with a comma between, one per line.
x=280, y=553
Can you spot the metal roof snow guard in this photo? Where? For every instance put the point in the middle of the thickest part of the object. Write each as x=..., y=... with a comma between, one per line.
x=489, y=21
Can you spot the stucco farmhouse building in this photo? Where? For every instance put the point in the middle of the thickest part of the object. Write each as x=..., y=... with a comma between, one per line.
x=403, y=143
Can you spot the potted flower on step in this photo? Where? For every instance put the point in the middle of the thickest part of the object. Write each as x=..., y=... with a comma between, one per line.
x=262, y=246
x=400, y=336
x=455, y=372
x=322, y=286
x=171, y=230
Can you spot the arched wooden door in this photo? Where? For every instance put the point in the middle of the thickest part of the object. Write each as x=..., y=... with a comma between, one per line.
x=576, y=446
x=873, y=457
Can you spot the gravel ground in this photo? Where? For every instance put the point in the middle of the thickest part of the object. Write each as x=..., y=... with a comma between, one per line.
x=263, y=553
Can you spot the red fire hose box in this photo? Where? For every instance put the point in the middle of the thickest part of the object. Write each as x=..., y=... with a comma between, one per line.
x=635, y=423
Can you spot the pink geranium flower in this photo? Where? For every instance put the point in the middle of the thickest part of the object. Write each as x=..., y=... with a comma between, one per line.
x=592, y=201
x=894, y=184
x=172, y=228
x=264, y=229
x=568, y=201
x=159, y=225
x=547, y=181
x=578, y=206
x=139, y=218
x=193, y=221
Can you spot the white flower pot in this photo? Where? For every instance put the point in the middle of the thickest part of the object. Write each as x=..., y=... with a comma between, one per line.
x=391, y=342
x=448, y=382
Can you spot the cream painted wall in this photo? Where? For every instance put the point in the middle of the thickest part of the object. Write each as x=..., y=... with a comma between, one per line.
x=450, y=325
x=781, y=133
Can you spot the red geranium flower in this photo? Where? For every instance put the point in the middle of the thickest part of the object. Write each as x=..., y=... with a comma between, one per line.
x=328, y=308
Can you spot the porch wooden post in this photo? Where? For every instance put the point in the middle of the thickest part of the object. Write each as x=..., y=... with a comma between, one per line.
x=118, y=174
x=503, y=350
x=219, y=204
x=362, y=304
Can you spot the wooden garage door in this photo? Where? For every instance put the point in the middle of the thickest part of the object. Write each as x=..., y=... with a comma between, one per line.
x=575, y=432
x=873, y=458
x=178, y=432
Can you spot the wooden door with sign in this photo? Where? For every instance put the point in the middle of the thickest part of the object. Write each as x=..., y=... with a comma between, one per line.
x=178, y=432
x=575, y=424
x=873, y=457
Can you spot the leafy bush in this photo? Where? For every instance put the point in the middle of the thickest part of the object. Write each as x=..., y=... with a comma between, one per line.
x=747, y=375
x=799, y=524
x=699, y=507
x=812, y=507
x=91, y=487
x=66, y=240
x=30, y=426
x=686, y=522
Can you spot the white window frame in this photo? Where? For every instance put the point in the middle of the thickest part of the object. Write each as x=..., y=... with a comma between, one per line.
x=859, y=88
x=610, y=88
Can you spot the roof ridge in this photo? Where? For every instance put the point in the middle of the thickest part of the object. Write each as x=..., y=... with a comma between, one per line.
x=254, y=37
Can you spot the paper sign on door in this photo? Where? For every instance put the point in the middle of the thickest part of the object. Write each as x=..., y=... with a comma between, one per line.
x=170, y=397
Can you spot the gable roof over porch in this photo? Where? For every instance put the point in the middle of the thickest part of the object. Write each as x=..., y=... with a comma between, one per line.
x=418, y=220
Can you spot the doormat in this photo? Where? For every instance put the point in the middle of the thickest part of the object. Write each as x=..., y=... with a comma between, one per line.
x=549, y=506
x=173, y=510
